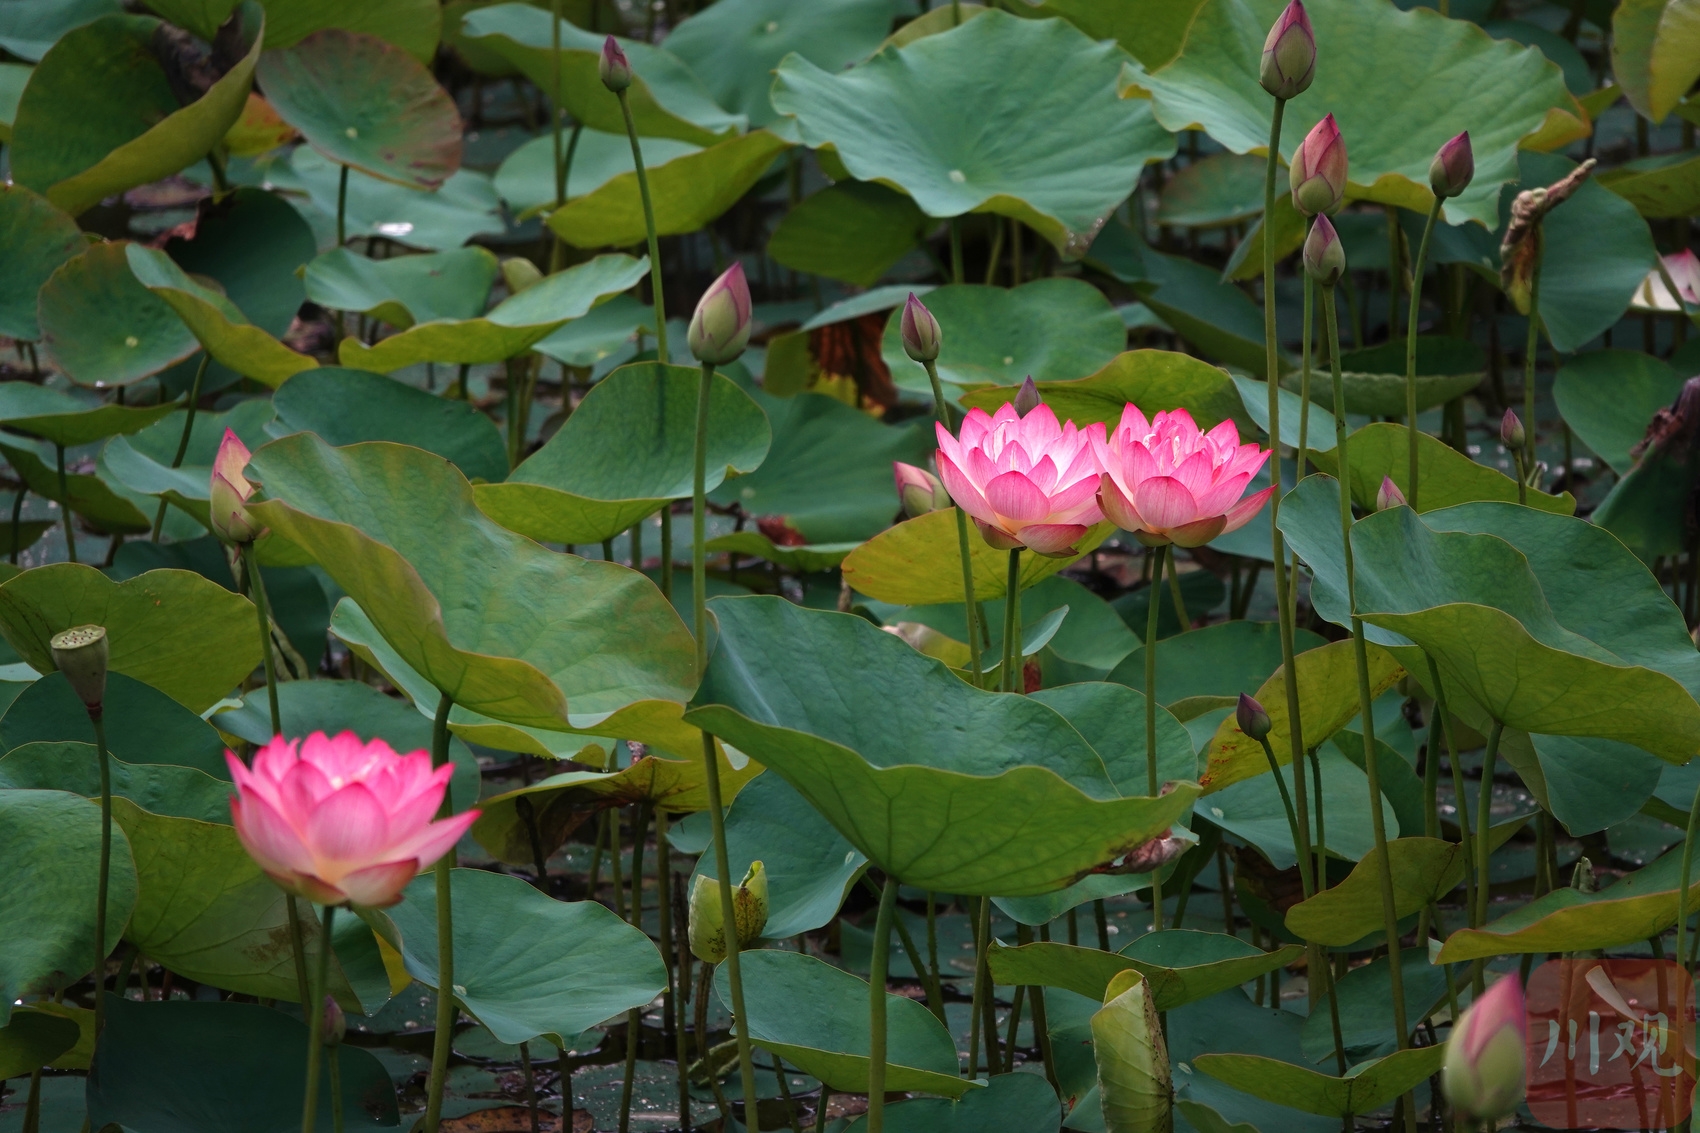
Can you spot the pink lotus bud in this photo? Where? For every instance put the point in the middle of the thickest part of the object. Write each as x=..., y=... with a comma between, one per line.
x=1388, y=495
x=1483, y=1076
x=81, y=653
x=1252, y=719
x=1027, y=398
x=919, y=490
x=920, y=331
x=1026, y=480
x=720, y=326
x=333, y=1024
x=1166, y=481
x=1325, y=258
x=230, y=491
x=1511, y=430
x=339, y=821
x=1453, y=167
x=614, y=68
x=1318, y=172
x=1289, y=54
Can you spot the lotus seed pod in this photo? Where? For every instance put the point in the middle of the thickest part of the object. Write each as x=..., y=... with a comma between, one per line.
x=81, y=654
x=708, y=922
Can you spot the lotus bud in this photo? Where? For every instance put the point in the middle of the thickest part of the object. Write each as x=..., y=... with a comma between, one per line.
x=920, y=491
x=1483, y=1075
x=1389, y=495
x=333, y=1024
x=1453, y=167
x=614, y=68
x=708, y=921
x=920, y=331
x=1027, y=397
x=1289, y=54
x=1582, y=878
x=81, y=654
x=230, y=491
x=1252, y=719
x=1318, y=172
x=1511, y=430
x=1324, y=257
x=720, y=326
x=520, y=273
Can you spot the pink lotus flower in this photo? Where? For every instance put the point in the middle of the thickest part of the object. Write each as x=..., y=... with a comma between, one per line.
x=1026, y=481
x=230, y=490
x=1166, y=482
x=1684, y=269
x=1289, y=54
x=337, y=820
x=1484, y=1076
x=720, y=326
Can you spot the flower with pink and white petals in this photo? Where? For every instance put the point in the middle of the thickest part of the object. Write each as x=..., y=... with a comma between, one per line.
x=1026, y=481
x=336, y=820
x=1166, y=481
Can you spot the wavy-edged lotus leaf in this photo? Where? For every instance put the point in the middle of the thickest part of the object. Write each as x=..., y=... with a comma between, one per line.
x=625, y=452
x=28, y=28
x=1374, y=379
x=1224, y=188
x=162, y=788
x=1659, y=189
x=686, y=193
x=1654, y=48
x=815, y=1017
x=1588, y=784
x=157, y=729
x=1513, y=93
x=853, y=231
x=1368, y=1087
x=99, y=115
x=345, y=407
x=526, y=964
x=805, y=558
x=1608, y=397
x=230, y=1065
x=1153, y=36
x=103, y=328
x=1328, y=700
x=465, y=602
x=511, y=327
x=404, y=290
x=413, y=25
x=1100, y=712
x=1197, y=304
x=47, y=927
x=188, y=637
x=223, y=331
x=71, y=419
x=141, y=462
x=1317, y=426
x=89, y=496
x=1154, y=380
x=526, y=177
x=1182, y=965
x=1382, y=450
x=465, y=208
x=1010, y=1103
x=38, y=238
x=1644, y=508
x=367, y=104
x=33, y=1039
x=901, y=787
x=667, y=99
x=918, y=118
x=919, y=562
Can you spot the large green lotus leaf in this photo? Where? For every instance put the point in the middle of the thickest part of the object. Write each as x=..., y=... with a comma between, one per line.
x=1181, y=965
x=1002, y=115
x=805, y=558
x=70, y=419
x=1010, y=1103
x=1368, y=1087
x=1154, y=380
x=1608, y=398
x=624, y=452
x=510, y=328
x=404, y=290
x=1374, y=379
x=38, y=239
x=734, y=47
x=918, y=791
x=1328, y=701
x=1048, y=330
x=1655, y=53
x=526, y=177
x=1367, y=1027
x=815, y=1017
x=852, y=231
x=1214, y=316
x=1198, y=669
x=1641, y=905
x=1224, y=188
x=591, y=340
x=1254, y=811
x=102, y=327
x=1659, y=188
x=223, y=331
x=1135, y=1090
x=28, y=28
x=1395, y=111
x=413, y=25
x=141, y=462
x=156, y=728
x=526, y=964
x=810, y=867
x=686, y=193
x=90, y=496
x=1645, y=509
x=667, y=99
x=919, y=563
x=345, y=407
x=33, y=1039
x=187, y=1065
x=1100, y=712
x=47, y=926
x=1151, y=33
x=490, y=618
x=162, y=788
x=1588, y=784
x=465, y=208
x=367, y=104
x=100, y=115
x=1383, y=450
x=187, y=637
x=828, y=474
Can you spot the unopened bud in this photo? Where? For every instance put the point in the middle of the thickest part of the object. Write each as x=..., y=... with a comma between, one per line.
x=1389, y=495
x=1483, y=1076
x=919, y=490
x=520, y=273
x=1324, y=256
x=229, y=491
x=1289, y=54
x=614, y=68
x=1511, y=430
x=1027, y=398
x=920, y=331
x=81, y=654
x=720, y=326
x=333, y=1024
x=1453, y=167
x=1318, y=172
x=1252, y=719
x=708, y=921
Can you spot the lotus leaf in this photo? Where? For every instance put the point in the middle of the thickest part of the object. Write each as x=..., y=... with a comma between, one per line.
x=1382, y=451
x=176, y=792
x=28, y=28
x=1608, y=397
x=1181, y=965
x=141, y=462
x=39, y=239
x=70, y=419
x=526, y=177
x=1155, y=380
x=464, y=208
x=854, y=231
x=1368, y=1087
x=1653, y=53
x=1010, y=1103
x=919, y=563
x=414, y=25
x=404, y=290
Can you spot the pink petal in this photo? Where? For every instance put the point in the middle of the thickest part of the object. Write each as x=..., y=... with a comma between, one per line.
x=1197, y=473
x=1051, y=538
x=1081, y=497
x=1197, y=533
x=1016, y=498
x=349, y=826
x=1044, y=474
x=1225, y=435
x=378, y=886
x=996, y=537
x=313, y=888
x=1223, y=494
x=267, y=836
x=962, y=490
x=1164, y=502
x=436, y=839
x=275, y=758
x=1133, y=423
x=1117, y=507
x=1241, y=513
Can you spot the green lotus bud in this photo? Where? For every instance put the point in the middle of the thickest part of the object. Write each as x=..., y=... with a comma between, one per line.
x=614, y=69
x=1484, y=1076
x=1324, y=257
x=81, y=654
x=720, y=326
x=920, y=331
x=1289, y=54
x=1511, y=430
x=520, y=273
x=919, y=490
x=1252, y=719
x=708, y=921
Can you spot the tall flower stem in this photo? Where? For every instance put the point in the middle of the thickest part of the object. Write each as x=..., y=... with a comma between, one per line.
x=876, y=1006
x=1417, y=270
x=1366, y=702
x=1529, y=350
x=313, y=1013
x=342, y=207
x=664, y=913
x=182, y=442
x=661, y=353
x=711, y=767
x=1484, y=812
x=1305, y=883
x=1162, y=553
x=95, y=718
x=1011, y=622
x=1304, y=373
x=1463, y=801
x=257, y=590
x=969, y=607
x=447, y=1011
x=1687, y=867
x=65, y=506
x=634, y=1017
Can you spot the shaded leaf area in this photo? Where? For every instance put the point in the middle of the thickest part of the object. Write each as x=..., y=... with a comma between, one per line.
x=1180, y=965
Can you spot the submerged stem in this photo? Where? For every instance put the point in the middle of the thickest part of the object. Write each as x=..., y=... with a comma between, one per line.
x=1162, y=553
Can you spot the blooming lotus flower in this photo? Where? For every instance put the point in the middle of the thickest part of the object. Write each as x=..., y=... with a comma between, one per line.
x=613, y=68
x=720, y=326
x=1166, y=481
x=1289, y=54
x=230, y=490
x=1684, y=270
x=1453, y=167
x=1483, y=1076
x=1024, y=479
x=1318, y=172
x=336, y=820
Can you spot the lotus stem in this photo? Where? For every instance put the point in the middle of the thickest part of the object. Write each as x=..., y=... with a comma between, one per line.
x=982, y=977
x=634, y=1017
x=935, y=991
x=1463, y=800
x=1151, y=715
x=182, y=442
x=1529, y=351
x=447, y=1012
x=711, y=767
x=661, y=353
x=1012, y=623
x=257, y=590
x=876, y=1006
x=313, y=1012
x=1484, y=813
x=342, y=207
x=298, y=943
x=1175, y=592
x=1305, y=881
x=1687, y=867
x=970, y=608
x=105, y=869
x=17, y=517
x=65, y=506
x=956, y=275
x=1041, y=1025
x=664, y=913
x=1417, y=270
x=1304, y=373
